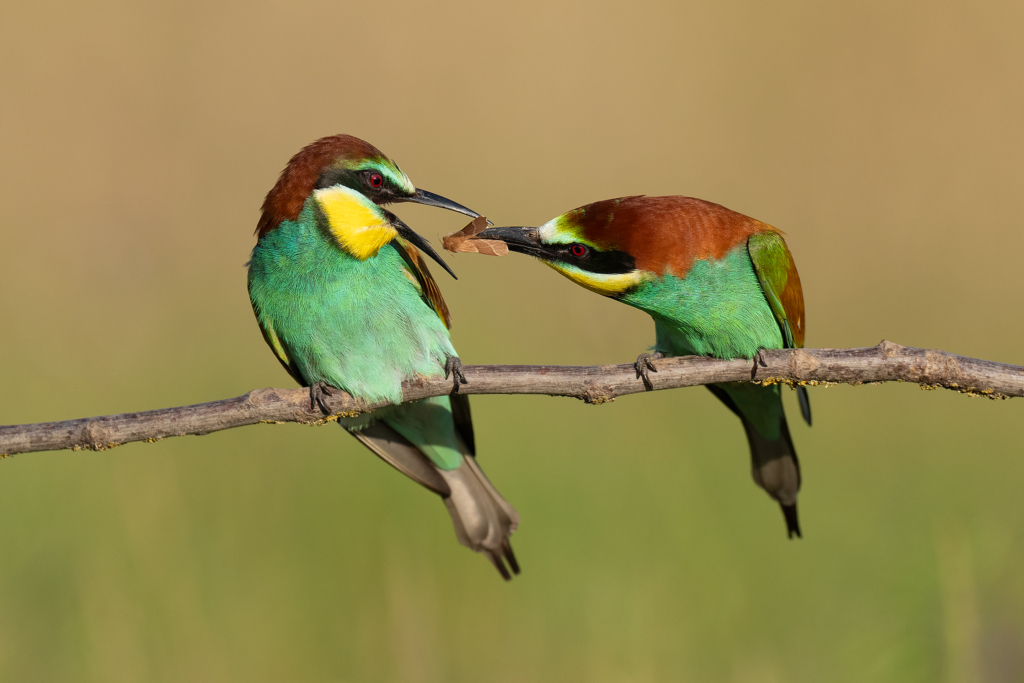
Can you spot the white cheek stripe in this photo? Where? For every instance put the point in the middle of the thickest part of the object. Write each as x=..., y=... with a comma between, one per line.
x=552, y=233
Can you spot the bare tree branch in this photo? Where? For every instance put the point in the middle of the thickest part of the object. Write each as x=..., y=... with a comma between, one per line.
x=594, y=384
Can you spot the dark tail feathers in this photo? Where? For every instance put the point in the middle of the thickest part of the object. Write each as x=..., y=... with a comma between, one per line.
x=483, y=520
x=773, y=463
x=775, y=468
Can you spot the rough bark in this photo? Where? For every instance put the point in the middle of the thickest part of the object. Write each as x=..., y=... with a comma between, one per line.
x=885, y=362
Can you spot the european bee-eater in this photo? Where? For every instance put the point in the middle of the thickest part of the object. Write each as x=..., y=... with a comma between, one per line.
x=345, y=300
x=716, y=282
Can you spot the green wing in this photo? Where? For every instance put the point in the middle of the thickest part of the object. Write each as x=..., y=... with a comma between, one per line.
x=781, y=284
x=274, y=342
x=431, y=293
x=420, y=276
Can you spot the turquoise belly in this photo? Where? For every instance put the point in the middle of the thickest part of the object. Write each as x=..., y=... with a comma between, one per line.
x=718, y=309
x=361, y=326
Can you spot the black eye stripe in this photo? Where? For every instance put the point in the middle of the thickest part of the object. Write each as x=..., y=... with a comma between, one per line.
x=592, y=260
x=359, y=180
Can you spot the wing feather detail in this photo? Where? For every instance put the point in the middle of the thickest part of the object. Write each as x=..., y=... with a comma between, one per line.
x=780, y=281
x=429, y=290
x=274, y=342
x=463, y=421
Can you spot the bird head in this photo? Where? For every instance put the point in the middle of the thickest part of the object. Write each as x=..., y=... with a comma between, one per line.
x=587, y=245
x=613, y=246
x=350, y=182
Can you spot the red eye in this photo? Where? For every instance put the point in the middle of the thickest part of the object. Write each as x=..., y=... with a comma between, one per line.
x=578, y=250
x=376, y=180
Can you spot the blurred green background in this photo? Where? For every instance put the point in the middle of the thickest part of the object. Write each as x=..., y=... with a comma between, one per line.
x=137, y=140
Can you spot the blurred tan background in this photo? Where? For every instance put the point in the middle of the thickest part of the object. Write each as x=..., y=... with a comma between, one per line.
x=136, y=143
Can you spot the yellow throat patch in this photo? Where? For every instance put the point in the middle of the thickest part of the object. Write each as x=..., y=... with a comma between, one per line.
x=605, y=284
x=358, y=225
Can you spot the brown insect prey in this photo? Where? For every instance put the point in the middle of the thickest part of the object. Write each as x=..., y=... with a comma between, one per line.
x=465, y=241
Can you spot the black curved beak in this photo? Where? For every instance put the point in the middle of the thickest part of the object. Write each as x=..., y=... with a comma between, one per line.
x=414, y=238
x=522, y=239
x=431, y=199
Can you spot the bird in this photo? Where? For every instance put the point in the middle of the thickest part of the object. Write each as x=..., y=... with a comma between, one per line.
x=343, y=295
x=716, y=282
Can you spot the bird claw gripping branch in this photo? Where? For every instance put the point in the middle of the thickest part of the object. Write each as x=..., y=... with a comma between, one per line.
x=758, y=360
x=643, y=364
x=318, y=392
x=453, y=369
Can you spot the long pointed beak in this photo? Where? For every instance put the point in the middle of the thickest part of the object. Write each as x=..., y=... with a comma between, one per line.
x=414, y=238
x=522, y=239
x=431, y=199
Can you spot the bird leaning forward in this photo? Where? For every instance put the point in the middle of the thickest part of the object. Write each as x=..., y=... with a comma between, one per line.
x=343, y=295
x=716, y=282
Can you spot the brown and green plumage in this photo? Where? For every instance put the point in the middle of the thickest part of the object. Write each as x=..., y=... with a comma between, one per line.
x=716, y=282
x=344, y=298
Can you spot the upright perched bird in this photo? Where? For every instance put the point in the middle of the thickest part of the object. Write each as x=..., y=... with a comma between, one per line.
x=716, y=282
x=345, y=300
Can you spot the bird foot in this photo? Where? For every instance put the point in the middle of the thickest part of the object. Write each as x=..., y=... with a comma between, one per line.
x=643, y=364
x=318, y=393
x=453, y=369
x=758, y=360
